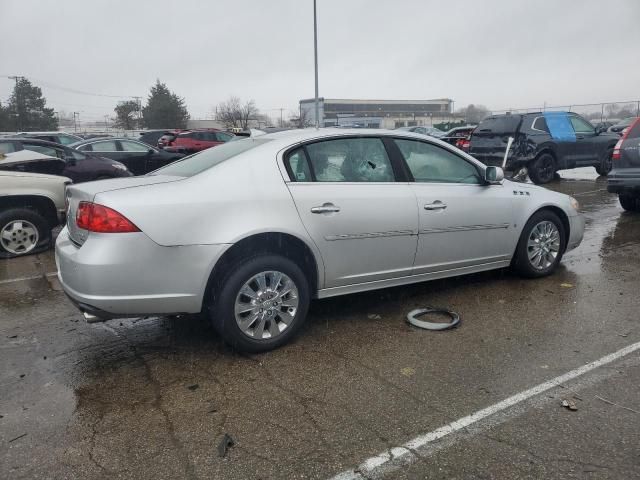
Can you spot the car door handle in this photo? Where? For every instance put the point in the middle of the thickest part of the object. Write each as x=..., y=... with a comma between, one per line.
x=326, y=208
x=437, y=205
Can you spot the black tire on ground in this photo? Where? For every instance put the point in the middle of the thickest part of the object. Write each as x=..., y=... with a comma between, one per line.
x=521, y=263
x=630, y=202
x=606, y=164
x=542, y=169
x=223, y=296
x=38, y=221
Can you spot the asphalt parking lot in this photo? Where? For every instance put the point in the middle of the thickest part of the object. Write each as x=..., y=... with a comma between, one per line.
x=360, y=394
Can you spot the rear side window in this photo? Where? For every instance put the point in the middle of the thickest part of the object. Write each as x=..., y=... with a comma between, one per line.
x=298, y=166
x=105, y=146
x=539, y=123
x=350, y=160
x=194, y=164
x=502, y=125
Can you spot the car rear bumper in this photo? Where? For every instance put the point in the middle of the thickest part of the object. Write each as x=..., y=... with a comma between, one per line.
x=576, y=231
x=127, y=274
x=624, y=180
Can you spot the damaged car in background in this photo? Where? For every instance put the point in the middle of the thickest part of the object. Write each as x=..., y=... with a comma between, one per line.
x=250, y=231
x=31, y=205
x=543, y=143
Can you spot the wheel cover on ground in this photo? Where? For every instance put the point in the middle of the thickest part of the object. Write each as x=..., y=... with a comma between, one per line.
x=19, y=237
x=543, y=245
x=266, y=305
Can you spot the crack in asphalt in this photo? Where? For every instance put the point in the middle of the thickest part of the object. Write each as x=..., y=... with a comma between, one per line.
x=181, y=451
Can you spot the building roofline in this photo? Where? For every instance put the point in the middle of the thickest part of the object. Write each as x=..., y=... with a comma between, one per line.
x=353, y=100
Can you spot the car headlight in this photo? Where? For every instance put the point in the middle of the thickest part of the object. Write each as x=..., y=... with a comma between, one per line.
x=575, y=204
x=118, y=166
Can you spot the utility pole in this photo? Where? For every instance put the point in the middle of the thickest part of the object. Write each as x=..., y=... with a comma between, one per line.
x=106, y=124
x=75, y=124
x=17, y=78
x=139, y=103
x=281, y=120
x=315, y=55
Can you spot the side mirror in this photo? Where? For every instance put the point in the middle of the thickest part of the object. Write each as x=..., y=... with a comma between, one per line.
x=71, y=161
x=151, y=151
x=493, y=175
x=600, y=130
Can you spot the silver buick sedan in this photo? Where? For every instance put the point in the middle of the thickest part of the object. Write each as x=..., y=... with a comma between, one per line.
x=250, y=231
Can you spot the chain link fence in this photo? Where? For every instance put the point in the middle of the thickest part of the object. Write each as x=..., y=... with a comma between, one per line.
x=611, y=112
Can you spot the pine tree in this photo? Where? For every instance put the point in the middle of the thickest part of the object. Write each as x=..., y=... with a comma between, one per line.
x=164, y=109
x=28, y=107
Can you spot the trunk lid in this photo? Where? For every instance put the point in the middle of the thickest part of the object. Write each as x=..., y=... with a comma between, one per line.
x=86, y=192
x=489, y=140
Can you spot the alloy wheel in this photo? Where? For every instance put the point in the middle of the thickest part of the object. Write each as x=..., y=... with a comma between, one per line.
x=543, y=245
x=19, y=237
x=266, y=305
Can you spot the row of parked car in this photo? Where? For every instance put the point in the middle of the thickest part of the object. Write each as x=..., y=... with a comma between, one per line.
x=35, y=168
x=542, y=142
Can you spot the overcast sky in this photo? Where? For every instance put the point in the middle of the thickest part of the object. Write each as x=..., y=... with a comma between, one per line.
x=500, y=53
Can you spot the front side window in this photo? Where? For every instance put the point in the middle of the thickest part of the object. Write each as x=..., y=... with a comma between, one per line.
x=433, y=164
x=580, y=125
x=350, y=160
x=45, y=150
x=134, y=147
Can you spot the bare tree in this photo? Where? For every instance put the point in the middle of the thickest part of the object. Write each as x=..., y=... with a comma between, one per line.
x=301, y=119
x=235, y=113
x=474, y=113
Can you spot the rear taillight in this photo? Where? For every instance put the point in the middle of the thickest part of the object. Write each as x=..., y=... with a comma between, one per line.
x=616, y=149
x=98, y=218
x=625, y=134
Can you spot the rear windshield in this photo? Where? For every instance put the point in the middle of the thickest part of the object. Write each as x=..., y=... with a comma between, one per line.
x=499, y=125
x=206, y=159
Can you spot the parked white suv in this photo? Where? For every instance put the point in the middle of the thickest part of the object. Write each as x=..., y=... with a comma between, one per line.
x=31, y=205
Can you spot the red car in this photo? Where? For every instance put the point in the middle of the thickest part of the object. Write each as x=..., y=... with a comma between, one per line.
x=191, y=141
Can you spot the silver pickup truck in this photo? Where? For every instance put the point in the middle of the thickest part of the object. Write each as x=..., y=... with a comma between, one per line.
x=31, y=205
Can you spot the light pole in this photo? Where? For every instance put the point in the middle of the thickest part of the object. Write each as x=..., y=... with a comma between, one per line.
x=315, y=55
x=75, y=124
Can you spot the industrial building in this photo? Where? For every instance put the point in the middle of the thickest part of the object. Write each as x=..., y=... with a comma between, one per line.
x=377, y=113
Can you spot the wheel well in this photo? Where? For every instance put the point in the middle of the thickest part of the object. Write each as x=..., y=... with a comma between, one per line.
x=563, y=218
x=43, y=205
x=264, y=243
x=550, y=152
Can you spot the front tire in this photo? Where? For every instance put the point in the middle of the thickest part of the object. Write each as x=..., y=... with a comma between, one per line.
x=631, y=203
x=542, y=169
x=23, y=232
x=261, y=304
x=541, y=246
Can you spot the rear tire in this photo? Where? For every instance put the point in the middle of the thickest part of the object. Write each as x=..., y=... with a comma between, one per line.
x=542, y=169
x=541, y=246
x=260, y=304
x=22, y=232
x=630, y=202
x=606, y=164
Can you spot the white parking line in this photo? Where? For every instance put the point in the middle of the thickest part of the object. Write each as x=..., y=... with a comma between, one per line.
x=24, y=279
x=407, y=453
